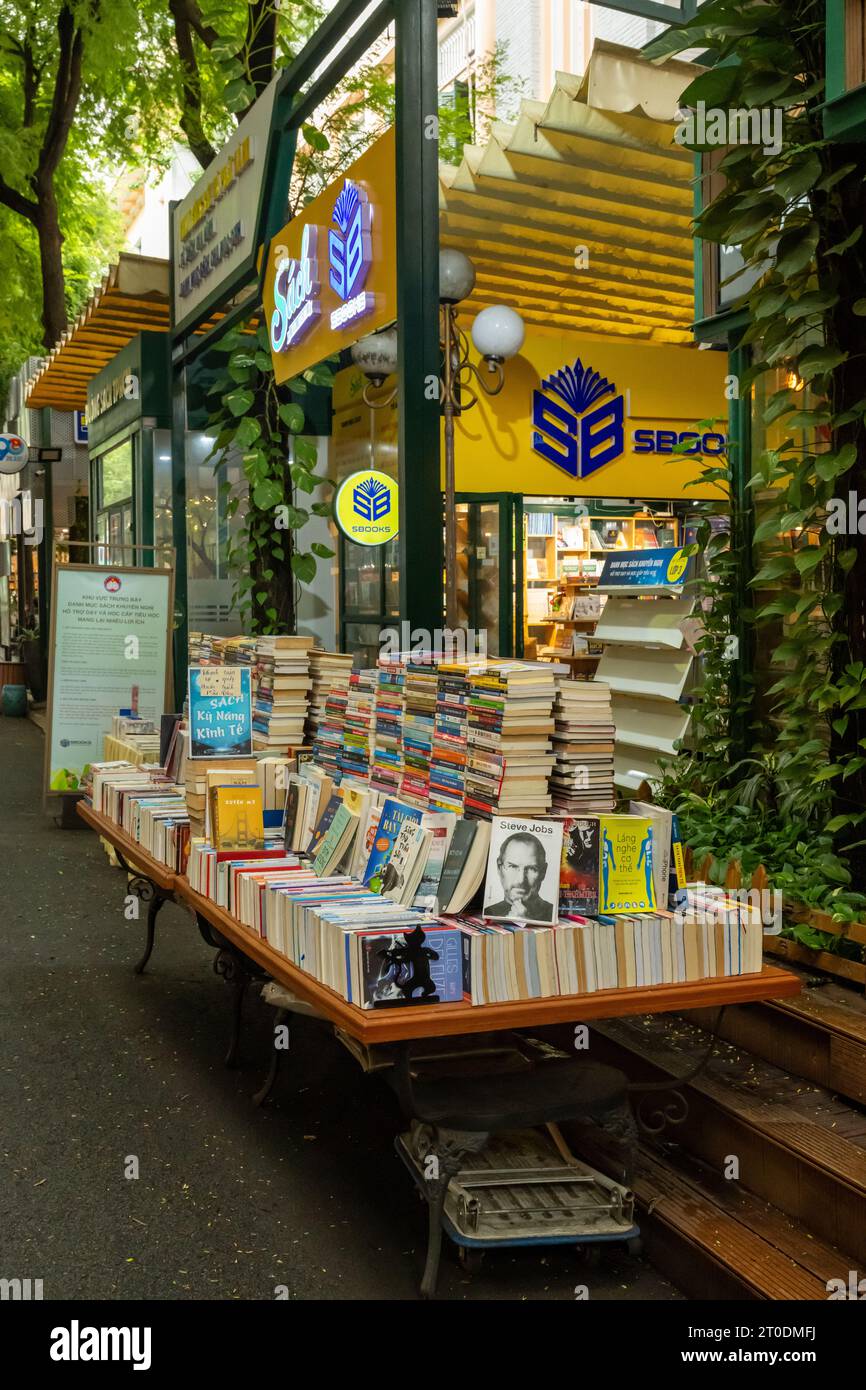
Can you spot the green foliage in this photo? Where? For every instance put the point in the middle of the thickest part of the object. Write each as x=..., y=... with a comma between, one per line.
x=254, y=419
x=798, y=805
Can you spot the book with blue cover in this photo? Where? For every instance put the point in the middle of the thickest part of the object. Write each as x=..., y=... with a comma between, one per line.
x=424, y=966
x=394, y=813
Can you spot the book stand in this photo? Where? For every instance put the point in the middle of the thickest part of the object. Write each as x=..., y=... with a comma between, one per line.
x=462, y=1110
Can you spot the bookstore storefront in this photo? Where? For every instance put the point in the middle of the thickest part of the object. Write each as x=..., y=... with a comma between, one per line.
x=592, y=446
x=129, y=443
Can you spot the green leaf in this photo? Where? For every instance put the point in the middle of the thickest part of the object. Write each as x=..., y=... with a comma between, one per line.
x=239, y=402
x=304, y=566
x=248, y=431
x=815, y=360
x=846, y=560
x=809, y=559
x=302, y=479
x=796, y=249
x=262, y=596
x=323, y=551
x=267, y=494
x=292, y=417
x=799, y=177
x=813, y=302
x=714, y=87
x=842, y=246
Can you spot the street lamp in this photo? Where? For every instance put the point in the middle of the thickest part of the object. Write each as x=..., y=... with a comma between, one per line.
x=497, y=335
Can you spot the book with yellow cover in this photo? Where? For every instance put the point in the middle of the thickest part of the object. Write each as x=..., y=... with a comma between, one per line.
x=626, y=864
x=237, y=818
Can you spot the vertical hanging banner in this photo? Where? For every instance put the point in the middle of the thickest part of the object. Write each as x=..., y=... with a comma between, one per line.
x=109, y=651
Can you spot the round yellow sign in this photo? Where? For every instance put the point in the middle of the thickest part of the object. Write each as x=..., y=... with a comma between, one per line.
x=677, y=566
x=366, y=508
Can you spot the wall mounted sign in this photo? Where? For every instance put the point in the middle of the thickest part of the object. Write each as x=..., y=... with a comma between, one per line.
x=643, y=569
x=366, y=507
x=80, y=427
x=330, y=275
x=590, y=417
x=13, y=453
x=213, y=227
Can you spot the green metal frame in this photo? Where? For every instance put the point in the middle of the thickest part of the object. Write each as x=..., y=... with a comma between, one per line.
x=844, y=112
x=742, y=539
x=651, y=9
x=416, y=176
x=510, y=553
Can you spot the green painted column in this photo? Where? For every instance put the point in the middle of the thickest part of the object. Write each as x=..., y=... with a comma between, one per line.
x=178, y=518
x=417, y=182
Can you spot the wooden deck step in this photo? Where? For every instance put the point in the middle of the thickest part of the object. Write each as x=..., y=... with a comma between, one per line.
x=819, y=1035
x=717, y=1241
x=798, y=1146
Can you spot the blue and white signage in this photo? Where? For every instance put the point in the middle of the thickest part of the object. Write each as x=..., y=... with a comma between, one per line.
x=643, y=569
x=79, y=427
x=296, y=295
x=13, y=453
x=220, y=712
x=350, y=255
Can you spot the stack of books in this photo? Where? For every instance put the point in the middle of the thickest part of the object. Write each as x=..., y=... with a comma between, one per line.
x=280, y=707
x=327, y=671
x=386, y=763
x=583, y=740
x=418, y=719
x=196, y=784
x=358, y=725
x=329, y=733
x=449, y=747
x=240, y=650
x=509, y=733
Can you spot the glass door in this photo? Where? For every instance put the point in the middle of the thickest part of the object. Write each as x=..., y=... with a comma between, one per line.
x=490, y=568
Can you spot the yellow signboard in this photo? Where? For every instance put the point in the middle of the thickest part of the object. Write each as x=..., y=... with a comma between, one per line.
x=584, y=417
x=331, y=275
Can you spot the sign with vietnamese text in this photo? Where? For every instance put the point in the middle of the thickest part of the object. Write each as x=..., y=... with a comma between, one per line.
x=220, y=712
x=109, y=651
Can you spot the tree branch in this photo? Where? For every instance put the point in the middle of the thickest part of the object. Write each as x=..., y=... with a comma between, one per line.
x=190, y=121
x=16, y=202
x=67, y=89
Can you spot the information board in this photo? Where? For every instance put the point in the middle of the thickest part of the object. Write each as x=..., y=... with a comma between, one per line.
x=110, y=651
x=220, y=712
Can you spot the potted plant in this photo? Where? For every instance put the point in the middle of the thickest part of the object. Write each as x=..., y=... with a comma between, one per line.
x=30, y=653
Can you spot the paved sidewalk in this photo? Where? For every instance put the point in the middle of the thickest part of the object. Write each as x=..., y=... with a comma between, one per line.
x=98, y=1066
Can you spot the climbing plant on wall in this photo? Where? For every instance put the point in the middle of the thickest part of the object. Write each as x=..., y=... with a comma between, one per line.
x=795, y=208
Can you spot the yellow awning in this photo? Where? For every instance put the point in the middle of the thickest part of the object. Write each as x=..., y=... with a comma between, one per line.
x=133, y=296
x=595, y=167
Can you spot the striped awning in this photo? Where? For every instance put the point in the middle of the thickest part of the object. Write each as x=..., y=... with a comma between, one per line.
x=579, y=214
x=133, y=296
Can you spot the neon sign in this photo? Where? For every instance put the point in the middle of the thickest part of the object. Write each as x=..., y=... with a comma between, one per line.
x=350, y=253
x=297, y=306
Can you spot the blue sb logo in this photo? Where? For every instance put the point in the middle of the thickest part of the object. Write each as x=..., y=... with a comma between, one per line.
x=578, y=436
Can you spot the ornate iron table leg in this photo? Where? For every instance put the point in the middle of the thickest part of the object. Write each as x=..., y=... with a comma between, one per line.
x=229, y=965
x=676, y=1110
x=147, y=892
x=261, y=1096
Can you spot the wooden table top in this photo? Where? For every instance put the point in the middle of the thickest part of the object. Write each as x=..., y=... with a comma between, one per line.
x=443, y=1020
x=135, y=856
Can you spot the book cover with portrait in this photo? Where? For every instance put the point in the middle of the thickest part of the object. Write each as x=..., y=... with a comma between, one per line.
x=522, y=882
x=578, y=870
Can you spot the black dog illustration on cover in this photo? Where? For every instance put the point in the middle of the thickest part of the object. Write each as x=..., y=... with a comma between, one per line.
x=405, y=969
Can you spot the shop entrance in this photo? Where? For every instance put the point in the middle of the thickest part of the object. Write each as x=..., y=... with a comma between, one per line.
x=490, y=568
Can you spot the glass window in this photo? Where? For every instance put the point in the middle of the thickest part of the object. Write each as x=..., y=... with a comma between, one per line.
x=162, y=515
x=115, y=474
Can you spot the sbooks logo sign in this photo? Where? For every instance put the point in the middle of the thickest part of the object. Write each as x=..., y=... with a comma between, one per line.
x=297, y=286
x=578, y=420
x=350, y=254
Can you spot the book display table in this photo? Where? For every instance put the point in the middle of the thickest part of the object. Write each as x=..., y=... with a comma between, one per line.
x=459, y=1111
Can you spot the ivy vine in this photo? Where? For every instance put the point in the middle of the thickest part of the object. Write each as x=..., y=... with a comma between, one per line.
x=265, y=425
x=797, y=802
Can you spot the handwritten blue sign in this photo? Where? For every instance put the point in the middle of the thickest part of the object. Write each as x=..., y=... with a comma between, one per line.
x=220, y=712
